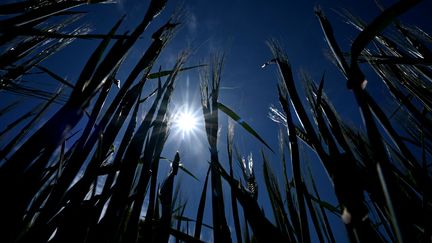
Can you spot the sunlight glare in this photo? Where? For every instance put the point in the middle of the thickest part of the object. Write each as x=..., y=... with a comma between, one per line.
x=186, y=122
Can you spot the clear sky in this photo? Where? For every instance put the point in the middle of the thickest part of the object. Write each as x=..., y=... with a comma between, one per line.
x=241, y=28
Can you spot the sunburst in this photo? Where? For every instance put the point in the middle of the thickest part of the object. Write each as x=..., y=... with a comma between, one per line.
x=185, y=122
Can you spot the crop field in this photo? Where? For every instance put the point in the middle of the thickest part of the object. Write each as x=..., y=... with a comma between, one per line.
x=91, y=157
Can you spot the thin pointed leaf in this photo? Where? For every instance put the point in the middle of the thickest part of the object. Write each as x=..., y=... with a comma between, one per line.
x=183, y=168
x=55, y=76
x=313, y=214
x=184, y=237
x=201, y=207
x=242, y=123
x=161, y=74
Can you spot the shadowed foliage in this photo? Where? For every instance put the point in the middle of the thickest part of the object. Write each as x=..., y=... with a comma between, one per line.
x=91, y=172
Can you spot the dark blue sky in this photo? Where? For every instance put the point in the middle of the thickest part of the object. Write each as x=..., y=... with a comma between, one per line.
x=241, y=28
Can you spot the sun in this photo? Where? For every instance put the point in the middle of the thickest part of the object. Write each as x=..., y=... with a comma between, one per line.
x=186, y=122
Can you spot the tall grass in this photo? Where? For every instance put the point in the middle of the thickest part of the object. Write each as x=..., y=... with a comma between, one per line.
x=58, y=184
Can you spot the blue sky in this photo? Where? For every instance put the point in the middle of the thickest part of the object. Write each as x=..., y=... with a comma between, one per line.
x=241, y=28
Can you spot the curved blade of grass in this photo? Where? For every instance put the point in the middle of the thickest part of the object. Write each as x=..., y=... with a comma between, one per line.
x=242, y=123
x=186, y=219
x=183, y=168
x=335, y=210
x=201, y=207
x=183, y=236
x=326, y=224
x=377, y=25
x=161, y=74
x=314, y=215
x=149, y=96
x=55, y=76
